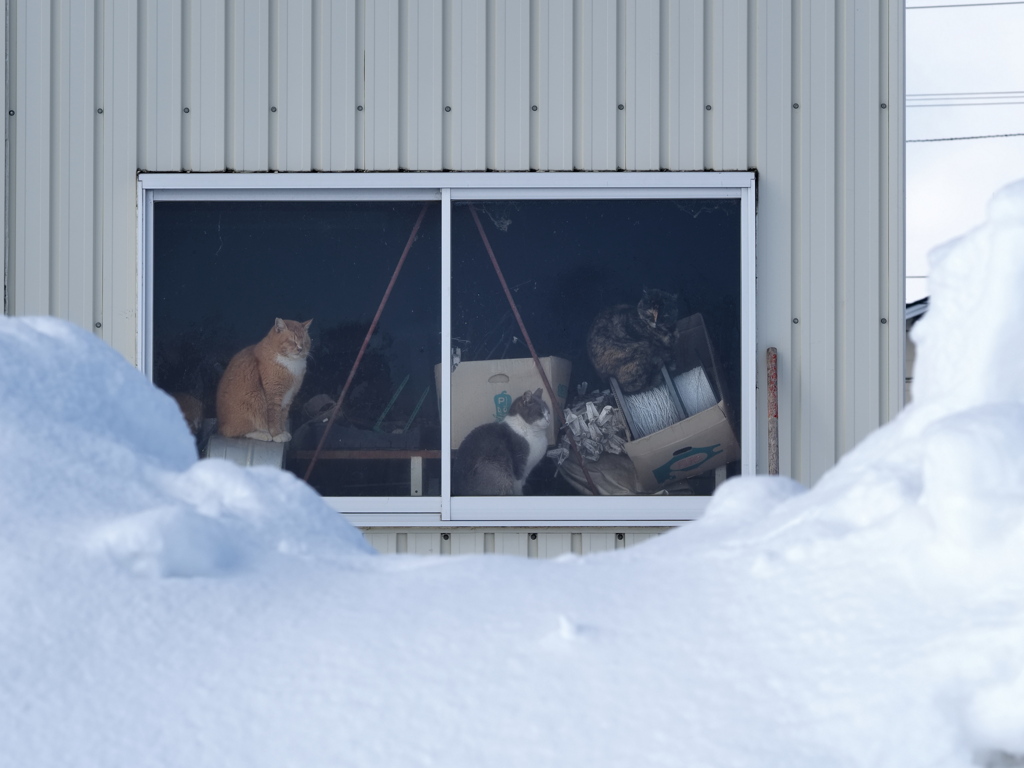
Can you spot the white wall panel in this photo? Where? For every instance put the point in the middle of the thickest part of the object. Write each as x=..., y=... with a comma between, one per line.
x=465, y=91
x=552, y=88
x=160, y=85
x=795, y=89
x=595, y=82
x=420, y=138
x=642, y=92
x=508, y=87
x=204, y=83
x=291, y=85
x=334, y=85
x=380, y=57
x=248, y=93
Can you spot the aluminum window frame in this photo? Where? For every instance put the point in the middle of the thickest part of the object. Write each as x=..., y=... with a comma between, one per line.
x=431, y=511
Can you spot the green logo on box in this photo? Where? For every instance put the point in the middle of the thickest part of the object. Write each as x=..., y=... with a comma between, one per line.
x=502, y=403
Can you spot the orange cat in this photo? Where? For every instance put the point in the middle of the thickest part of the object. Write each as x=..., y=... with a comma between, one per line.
x=261, y=381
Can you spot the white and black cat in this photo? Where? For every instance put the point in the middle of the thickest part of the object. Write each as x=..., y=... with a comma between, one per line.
x=495, y=459
x=633, y=342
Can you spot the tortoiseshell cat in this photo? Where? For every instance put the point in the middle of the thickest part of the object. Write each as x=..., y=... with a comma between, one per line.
x=259, y=384
x=632, y=343
x=495, y=459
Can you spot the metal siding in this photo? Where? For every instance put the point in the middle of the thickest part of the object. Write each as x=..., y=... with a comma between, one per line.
x=830, y=173
x=334, y=85
x=595, y=81
x=682, y=86
x=420, y=137
x=380, y=57
x=550, y=545
x=291, y=85
x=641, y=96
x=465, y=91
x=205, y=83
x=160, y=75
x=248, y=94
x=552, y=74
x=508, y=91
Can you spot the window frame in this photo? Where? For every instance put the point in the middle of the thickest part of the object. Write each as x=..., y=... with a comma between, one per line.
x=446, y=510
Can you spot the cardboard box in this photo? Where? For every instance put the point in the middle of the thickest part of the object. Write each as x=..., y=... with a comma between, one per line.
x=698, y=444
x=483, y=390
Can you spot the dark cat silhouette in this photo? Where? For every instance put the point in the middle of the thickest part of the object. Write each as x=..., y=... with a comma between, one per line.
x=632, y=343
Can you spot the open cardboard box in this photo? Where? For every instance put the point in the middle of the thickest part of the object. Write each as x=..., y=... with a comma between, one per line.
x=698, y=444
x=483, y=390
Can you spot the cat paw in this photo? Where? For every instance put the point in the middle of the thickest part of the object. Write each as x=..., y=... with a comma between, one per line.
x=284, y=437
x=260, y=434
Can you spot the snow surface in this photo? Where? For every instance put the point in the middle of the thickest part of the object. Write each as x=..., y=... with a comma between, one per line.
x=156, y=610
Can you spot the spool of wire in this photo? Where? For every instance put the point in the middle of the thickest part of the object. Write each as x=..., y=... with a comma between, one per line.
x=657, y=408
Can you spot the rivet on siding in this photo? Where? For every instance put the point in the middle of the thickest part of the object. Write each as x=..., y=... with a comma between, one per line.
x=796, y=106
x=534, y=107
x=359, y=108
x=99, y=111
x=708, y=107
x=186, y=110
x=622, y=106
x=796, y=320
x=99, y=324
x=11, y=113
x=533, y=536
x=884, y=321
x=273, y=109
x=620, y=536
x=445, y=536
x=885, y=106
x=447, y=109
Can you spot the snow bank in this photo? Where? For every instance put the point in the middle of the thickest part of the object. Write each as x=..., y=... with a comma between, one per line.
x=876, y=619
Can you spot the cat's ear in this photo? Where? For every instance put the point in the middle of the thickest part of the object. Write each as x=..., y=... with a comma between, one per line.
x=279, y=324
x=539, y=394
x=307, y=323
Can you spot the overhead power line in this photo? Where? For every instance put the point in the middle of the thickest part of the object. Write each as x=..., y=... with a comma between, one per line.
x=965, y=138
x=963, y=5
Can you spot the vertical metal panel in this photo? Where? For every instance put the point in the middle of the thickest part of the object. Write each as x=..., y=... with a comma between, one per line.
x=291, y=85
x=32, y=173
x=424, y=543
x=74, y=125
x=726, y=85
x=204, y=80
x=891, y=194
x=383, y=541
x=595, y=84
x=510, y=543
x=775, y=120
x=551, y=124
x=160, y=71
x=681, y=137
x=597, y=542
x=248, y=93
x=642, y=93
x=508, y=87
x=471, y=543
x=465, y=85
x=816, y=274
x=119, y=164
x=420, y=137
x=551, y=545
x=380, y=58
x=334, y=85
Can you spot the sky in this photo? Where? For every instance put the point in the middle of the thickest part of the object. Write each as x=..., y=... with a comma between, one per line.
x=959, y=50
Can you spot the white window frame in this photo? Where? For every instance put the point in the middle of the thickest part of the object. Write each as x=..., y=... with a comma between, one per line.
x=457, y=511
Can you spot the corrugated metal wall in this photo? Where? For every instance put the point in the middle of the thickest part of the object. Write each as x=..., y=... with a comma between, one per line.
x=799, y=90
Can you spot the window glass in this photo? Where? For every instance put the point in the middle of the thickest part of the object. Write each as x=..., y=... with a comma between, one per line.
x=567, y=264
x=224, y=271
